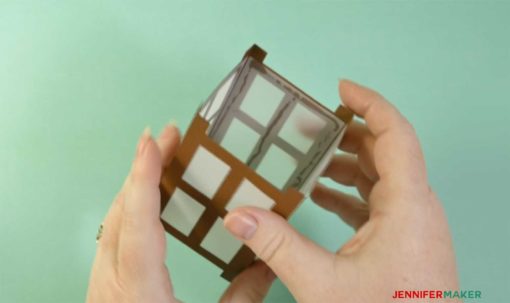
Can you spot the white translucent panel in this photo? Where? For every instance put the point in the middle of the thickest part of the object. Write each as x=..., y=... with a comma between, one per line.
x=182, y=212
x=213, y=105
x=319, y=169
x=220, y=242
x=206, y=172
x=301, y=128
x=240, y=140
x=248, y=194
x=261, y=100
x=277, y=166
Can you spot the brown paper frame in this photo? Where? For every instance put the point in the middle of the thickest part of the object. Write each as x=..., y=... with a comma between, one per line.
x=285, y=202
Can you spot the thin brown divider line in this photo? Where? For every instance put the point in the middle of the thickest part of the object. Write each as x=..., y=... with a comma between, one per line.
x=241, y=260
x=226, y=191
x=194, y=245
x=287, y=203
x=343, y=113
x=246, y=172
x=194, y=193
x=172, y=178
x=174, y=171
x=203, y=226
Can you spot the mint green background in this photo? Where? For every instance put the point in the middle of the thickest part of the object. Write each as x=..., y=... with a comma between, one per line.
x=79, y=80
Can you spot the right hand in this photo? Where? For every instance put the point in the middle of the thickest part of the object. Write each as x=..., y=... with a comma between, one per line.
x=402, y=241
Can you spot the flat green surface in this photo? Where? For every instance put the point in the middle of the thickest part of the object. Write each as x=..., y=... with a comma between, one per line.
x=79, y=80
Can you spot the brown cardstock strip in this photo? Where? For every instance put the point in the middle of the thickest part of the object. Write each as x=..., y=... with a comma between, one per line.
x=256, y=53
x=285, y=202
x=244, y=258
x=344, y=114
x=172, y=178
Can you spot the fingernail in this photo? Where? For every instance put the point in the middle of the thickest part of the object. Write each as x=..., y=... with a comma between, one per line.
x=142, y=143
x=241, y=225
x=166, y=133
x=351, y=82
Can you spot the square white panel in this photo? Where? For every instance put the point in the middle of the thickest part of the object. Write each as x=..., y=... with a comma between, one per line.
x=277, y=166
x=262, y=99
x=301, y=128
x=248, y=194
x=182, y=212
x=240, y=140
x=206, y=172
x=220, y=242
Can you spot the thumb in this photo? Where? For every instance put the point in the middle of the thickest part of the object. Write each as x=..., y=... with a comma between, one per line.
x=296, y=260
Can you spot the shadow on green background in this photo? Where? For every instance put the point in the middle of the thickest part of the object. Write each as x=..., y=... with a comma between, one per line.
x=79, y=81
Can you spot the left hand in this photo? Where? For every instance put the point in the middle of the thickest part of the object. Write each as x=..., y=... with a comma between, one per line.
x=130, y=259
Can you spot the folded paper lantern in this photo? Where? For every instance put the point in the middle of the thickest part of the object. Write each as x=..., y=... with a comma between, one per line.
x=257, y=141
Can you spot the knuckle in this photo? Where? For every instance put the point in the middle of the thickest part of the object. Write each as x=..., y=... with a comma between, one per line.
x=130, y=223
x=274, y=246
x=407, y=130
x=377, y=95
x=120, y=285
x=255, y=294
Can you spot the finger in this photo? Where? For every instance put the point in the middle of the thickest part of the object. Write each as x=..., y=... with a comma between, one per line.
x=296, y=260
x=358, y=140
x=142, y=242
x=349, y=208
x=108, y=243
x=354, y=137
x=250, y=286
x=345, y=170
x=307, y=127
x=168, y=141
x=397, y=153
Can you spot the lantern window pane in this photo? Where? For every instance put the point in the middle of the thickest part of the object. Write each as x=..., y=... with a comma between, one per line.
x=277, y=166
x=220, y=242
x=262, y=99
x=301, y=128
x=182, y=212
x=248, y=194
x=204, y=161
x=240, y=140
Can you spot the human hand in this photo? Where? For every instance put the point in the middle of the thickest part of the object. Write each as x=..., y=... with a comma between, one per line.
x=402, y=241
x=130, y=259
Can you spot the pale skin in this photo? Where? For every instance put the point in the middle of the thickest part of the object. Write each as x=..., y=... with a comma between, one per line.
x=402, y=240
